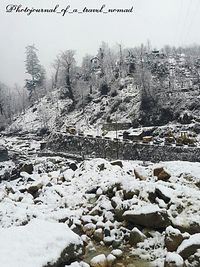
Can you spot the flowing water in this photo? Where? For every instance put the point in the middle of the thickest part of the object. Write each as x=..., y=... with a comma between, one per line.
x=127, y=260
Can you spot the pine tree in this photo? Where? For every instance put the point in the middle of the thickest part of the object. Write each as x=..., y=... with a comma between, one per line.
x=35, y=70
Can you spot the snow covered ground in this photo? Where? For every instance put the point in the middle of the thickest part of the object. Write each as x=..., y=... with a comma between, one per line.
x=37, y=244
x=93, y=199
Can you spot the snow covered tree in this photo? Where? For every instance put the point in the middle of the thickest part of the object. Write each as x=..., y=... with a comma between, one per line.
x=56, y=65
x=86, y=67
x=68, y=66
x=35, y=70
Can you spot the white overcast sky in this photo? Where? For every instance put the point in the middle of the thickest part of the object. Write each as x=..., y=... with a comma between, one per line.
x=174, y=22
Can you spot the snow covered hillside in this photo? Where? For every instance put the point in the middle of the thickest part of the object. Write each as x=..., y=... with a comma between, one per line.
x=54, y=113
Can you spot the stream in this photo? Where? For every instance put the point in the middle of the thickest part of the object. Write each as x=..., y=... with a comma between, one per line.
x=127, y=260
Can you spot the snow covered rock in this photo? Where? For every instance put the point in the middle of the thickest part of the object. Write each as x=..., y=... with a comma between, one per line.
x=136, y=236
x=89, y=229
x=117, y=253
x=99, y=261
x=150, y=216
x=39, y=243
x=78, y=264
x=3, y=153
x=111, y=260
x=173, y=238
x=189, y=246
x=98, y=235
x=108, y=240
x=140, y=173
x=173, y=260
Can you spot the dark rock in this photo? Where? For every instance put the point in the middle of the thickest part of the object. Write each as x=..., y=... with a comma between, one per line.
x=118, y=163
x=173, y=239
x=113, y=202
x=70, y=254
x=30, y=180
x=152, y=197
x=116, y=243
x=27, y=168
x=22, y=190
x=5, y=176
x=157, y=219
x=118, y=215
x=3, y=153
x=43, y=131
x=136, y=236
x=92, y=190
x=156, y=171
x=160, y=194
x=161, y=174
x=77, y=229
x=33, y=189
x=49, y=184
x=101, y=167
x=42, y=145
x=73, y=166
x=130, y=194
x=106, y=232
x=15, y=174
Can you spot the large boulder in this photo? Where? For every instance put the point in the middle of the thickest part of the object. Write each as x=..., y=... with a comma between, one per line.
x=150, y=216
x=38, y=244
x=3, y=153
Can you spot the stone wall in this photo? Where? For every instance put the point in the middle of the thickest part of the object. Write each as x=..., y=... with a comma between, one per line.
x=115, y=149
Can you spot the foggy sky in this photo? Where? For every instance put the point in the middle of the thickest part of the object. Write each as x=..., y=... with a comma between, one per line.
x=174, y=22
